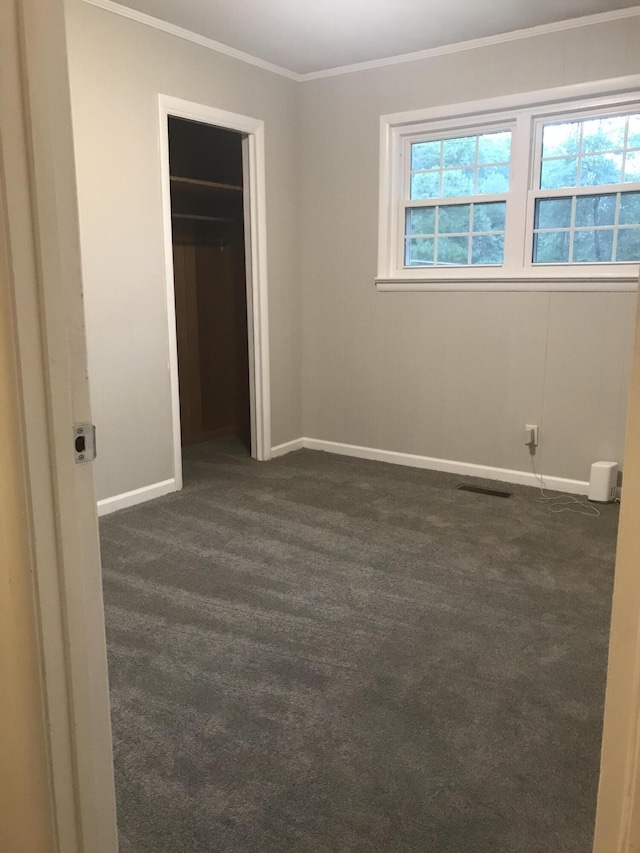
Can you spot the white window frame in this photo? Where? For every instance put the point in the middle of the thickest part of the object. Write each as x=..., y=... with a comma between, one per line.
x=451, y=131
x=536, y=193
x=525, y=115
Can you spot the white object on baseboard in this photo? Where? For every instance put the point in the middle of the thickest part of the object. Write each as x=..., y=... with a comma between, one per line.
x=137, y=496
x=450, y=466
x=603, y=482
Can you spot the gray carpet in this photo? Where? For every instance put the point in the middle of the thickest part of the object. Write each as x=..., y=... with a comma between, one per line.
x=326, y=654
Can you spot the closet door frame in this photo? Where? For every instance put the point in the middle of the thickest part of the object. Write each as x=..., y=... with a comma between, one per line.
x=254, y=175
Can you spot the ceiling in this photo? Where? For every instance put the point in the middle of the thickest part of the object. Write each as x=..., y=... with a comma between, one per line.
x=306, y=36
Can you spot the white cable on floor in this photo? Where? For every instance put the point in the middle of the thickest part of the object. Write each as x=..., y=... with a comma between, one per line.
x=561, y=502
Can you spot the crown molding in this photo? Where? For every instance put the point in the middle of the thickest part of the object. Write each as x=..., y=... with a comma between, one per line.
x=474, y=44
x=429, y=53
x=189, y=35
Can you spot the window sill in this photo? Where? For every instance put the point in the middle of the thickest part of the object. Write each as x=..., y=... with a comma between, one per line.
x=621, y=283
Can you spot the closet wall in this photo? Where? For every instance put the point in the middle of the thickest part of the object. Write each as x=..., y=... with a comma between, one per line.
x=210, y=281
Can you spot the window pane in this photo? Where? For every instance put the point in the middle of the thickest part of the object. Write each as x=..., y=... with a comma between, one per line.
x=595, y=210
x=457, y=182
x=598, y=169
x=592, y=246
x=559, y=173
x=629, y=209
x=450, y=219
x=603, y=134
x=459, y=152
x=632, y=166
x=425, y=155
x=487, y=249
x=450, y=169
x=593, y=224
x=551, y=247
x=453, y=250
x=421, y=220
x=495, y=147
x=633, y=140
x=553, y=213
x=425, y=185
x=419, y=251
x=489, y=217
x=628, y=248
x=559, y=139
x=493, y=179
x=453, y=219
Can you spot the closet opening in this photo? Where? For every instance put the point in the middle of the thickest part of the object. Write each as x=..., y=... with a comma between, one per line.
x=212, y=310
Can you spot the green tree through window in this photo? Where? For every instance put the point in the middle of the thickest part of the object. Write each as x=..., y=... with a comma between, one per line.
x=470, y=233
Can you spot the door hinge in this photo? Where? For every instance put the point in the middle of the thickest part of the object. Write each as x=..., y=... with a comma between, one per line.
x=84, y=442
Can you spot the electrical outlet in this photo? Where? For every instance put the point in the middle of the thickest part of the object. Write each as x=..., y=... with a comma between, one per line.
x=531, y=433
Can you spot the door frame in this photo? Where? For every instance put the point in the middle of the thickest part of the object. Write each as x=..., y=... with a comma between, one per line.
x=617, y=828
x=255, y=238
x=49, y=364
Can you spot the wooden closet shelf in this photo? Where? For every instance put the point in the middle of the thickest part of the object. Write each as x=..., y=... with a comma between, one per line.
x=194, y=182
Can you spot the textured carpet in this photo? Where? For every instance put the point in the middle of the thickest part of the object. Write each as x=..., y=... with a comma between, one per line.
x=327, y=654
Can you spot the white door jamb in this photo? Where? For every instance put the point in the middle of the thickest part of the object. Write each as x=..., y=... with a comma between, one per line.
x=253, y=150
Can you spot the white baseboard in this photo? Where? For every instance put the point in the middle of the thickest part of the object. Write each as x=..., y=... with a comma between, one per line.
x=287, y=447
x=430, y=463
x=449, y=466
x=137, y=496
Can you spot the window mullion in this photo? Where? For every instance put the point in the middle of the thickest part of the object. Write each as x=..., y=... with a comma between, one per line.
x=614, y=248
x=572, y=229
x=595, y=189
x=402, y=181
x=452, y=200
x=401, y=247
x=514, y=240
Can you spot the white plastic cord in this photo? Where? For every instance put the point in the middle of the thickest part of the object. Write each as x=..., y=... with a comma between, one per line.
x=561, y=502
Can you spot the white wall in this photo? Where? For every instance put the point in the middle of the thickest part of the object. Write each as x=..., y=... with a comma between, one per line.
x=448, y=375
x=117, y=68
x=451, y=375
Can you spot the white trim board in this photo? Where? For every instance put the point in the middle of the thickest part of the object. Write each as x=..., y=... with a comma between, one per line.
x=189, y=35
x=136, y=496
x=287, y=447
x=475, y=44
x=429, y=53
x=449, y=466
x=410, y=460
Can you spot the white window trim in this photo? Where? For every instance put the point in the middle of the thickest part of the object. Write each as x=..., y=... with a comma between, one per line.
x=524, y=113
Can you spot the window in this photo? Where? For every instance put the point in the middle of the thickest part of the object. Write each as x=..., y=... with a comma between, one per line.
x=473, y=170
x=532, y=195
x=572, y=223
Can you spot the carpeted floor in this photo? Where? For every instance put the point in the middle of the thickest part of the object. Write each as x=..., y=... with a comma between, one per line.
x=327, y=654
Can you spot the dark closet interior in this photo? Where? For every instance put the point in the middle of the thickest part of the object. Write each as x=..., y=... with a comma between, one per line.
x=205, y=164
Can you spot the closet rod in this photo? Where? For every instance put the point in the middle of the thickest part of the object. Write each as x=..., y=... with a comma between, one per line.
x=202, y=218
